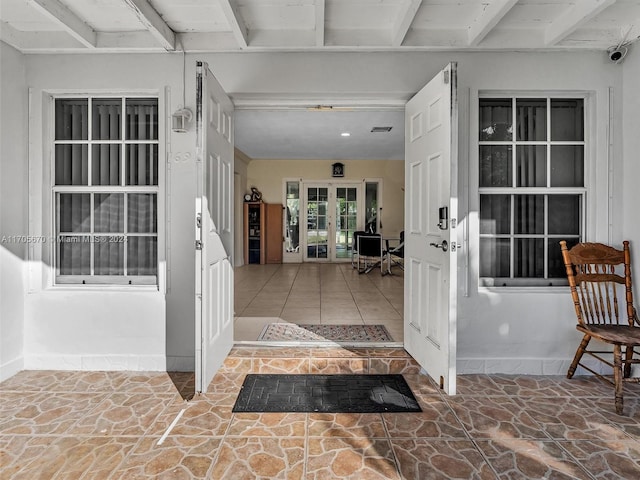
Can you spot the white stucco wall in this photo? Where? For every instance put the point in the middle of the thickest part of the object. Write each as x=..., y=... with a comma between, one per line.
x=98, y=327
x=631, y=152
x=13, y=208
x=532, y=330
x=529, y=331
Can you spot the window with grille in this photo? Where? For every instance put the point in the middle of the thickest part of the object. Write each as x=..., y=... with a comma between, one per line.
x=531, y=185
x=105, y=188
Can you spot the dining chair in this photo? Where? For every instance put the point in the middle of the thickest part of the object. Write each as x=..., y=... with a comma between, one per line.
x=600, y=280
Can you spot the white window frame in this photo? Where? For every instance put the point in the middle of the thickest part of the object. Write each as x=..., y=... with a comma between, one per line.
x=107, y=281
x=583, y=191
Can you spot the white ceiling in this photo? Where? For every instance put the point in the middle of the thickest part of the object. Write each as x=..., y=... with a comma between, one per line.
x=71, y=26
x=311, y=25
x=317, y=134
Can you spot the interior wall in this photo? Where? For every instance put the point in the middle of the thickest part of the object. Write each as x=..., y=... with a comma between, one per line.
x=267, y=175
x=240, y=185
x=630, y=129
x=13, y=208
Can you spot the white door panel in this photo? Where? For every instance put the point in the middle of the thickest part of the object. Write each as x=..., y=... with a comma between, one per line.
x=430, y=239
x=214, y=230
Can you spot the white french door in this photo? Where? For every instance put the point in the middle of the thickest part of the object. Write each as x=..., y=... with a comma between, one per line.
x=430, y=301
x=330, y=216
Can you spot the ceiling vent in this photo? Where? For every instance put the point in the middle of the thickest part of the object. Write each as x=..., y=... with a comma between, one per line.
x=381, y=129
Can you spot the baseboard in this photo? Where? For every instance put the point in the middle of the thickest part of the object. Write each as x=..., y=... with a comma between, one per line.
x=513, y=366
x=152, y=363
x=10, y=368
x=528, y=366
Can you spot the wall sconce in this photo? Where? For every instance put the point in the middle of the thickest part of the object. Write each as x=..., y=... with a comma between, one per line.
x=180, y=120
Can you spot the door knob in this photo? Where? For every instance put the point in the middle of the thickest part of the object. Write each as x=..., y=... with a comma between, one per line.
x=444, y=245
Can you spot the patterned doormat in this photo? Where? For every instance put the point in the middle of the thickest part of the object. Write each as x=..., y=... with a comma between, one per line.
x=325, y=393
x=322, y=333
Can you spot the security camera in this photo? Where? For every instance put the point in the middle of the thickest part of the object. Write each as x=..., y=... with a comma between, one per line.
x=617, y=54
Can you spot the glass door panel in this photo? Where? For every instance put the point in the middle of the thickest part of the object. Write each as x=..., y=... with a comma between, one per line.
x=346, y=220
x=317, y=223
x=292, y=221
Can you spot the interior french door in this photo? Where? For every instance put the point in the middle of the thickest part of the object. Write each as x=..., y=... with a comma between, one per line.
x=331, y=213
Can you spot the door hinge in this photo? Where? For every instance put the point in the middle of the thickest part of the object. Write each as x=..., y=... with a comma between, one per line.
x=198, y=244
x=199, y=220
x=446, y=77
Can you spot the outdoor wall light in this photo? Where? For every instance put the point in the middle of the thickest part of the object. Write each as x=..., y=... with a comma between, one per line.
x=180, y=120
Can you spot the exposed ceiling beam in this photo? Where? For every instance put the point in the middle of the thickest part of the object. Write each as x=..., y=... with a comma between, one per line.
x=320, y=8
x=152, y=20
x=488, y=19
x=238, y=27
x=67, y=19
x=569, y=21
x=46, y=42
x=403, y=22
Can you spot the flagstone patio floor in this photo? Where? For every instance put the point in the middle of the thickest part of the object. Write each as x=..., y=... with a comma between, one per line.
x=135, y=425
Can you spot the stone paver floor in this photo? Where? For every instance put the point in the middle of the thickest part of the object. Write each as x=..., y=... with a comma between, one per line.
x=113, y=425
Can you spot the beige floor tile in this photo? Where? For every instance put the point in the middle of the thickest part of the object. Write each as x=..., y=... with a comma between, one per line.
x=249, y=328
x=262, y=311
x=306, y=300
x=298, y=315
x=346, y=314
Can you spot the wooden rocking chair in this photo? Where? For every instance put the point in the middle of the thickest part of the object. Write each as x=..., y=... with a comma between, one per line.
x=600, y=281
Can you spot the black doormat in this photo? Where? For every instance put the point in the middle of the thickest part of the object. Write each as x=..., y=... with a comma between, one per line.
x=326, y=394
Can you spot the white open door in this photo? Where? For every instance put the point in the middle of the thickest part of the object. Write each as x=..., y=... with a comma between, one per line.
x=430, y=301
x=213, y=226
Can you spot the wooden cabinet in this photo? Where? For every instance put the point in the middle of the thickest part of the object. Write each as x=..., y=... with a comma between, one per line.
x=274, y=237
x=262, y=232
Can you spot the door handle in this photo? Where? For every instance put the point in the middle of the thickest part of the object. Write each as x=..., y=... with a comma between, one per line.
x=444, y=245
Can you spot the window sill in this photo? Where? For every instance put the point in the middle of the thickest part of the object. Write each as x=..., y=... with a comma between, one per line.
x=544, y=289
x=69, y=287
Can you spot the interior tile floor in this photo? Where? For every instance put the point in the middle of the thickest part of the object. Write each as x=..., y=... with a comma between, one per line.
x=132, y=425
x=316, y=293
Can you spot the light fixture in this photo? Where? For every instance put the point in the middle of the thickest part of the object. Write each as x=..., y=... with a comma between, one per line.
x=345, y=134
x=180, y=120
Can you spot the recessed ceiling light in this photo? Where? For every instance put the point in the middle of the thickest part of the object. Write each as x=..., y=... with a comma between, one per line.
x=345, y=134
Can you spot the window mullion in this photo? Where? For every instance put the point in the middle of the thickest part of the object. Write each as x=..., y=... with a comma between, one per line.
x=545, y=246
x=91, y=235
x=125, y=229
x=123, y=182
x=89, y=143
x=512, y=240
